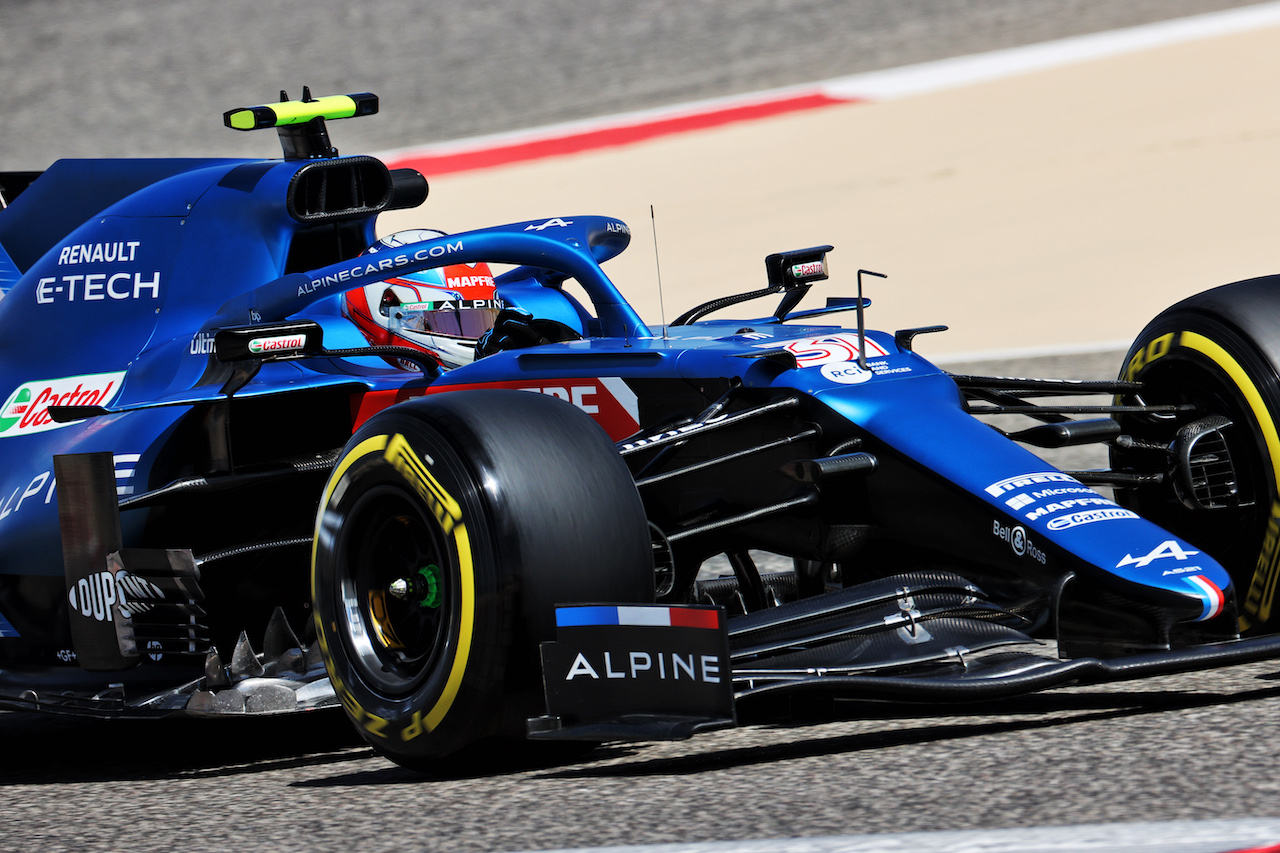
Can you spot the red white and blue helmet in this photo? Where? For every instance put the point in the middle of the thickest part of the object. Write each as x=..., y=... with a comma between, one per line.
x=440, y=311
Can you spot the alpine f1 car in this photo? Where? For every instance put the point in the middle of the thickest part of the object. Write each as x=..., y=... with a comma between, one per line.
x=218, y=495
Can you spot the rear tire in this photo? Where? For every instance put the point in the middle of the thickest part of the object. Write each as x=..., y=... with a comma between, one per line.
x=483, y=509
x=1220, y=352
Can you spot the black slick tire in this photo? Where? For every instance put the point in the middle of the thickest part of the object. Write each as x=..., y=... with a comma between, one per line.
x=449, y=529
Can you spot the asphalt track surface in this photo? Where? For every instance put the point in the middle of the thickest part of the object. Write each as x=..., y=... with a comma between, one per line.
x=117, y=78
x=1186, y=748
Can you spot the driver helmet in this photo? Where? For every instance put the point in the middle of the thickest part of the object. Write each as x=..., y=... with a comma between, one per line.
x=439, y=311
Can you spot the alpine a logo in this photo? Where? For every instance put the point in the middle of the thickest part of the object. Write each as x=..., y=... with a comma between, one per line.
x=27, y=409
x=1167, y=548
x=550, y=223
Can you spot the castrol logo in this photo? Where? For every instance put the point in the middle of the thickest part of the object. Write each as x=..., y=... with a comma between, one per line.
x=27, y=409
x=810, y=268
x=280, y=342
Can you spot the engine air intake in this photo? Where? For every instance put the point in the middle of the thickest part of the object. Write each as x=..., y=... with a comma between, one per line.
x=328, y=190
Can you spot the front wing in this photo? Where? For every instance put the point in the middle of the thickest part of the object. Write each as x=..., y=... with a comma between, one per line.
x=632, y=673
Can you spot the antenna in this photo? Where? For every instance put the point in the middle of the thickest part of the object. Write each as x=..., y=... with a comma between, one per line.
x=662, y=311
x=862, y=326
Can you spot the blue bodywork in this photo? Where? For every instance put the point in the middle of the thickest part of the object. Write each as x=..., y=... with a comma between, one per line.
x=118, y=275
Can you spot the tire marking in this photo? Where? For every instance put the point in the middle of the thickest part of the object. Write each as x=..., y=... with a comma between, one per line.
x=446, y=510
x=374, y=724
x=1262, y=588
x=1157, y=348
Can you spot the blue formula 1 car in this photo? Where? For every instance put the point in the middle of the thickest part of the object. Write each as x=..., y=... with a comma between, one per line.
x=218, y=497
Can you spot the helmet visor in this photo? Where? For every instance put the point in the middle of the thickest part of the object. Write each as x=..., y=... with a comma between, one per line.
x=456, y=318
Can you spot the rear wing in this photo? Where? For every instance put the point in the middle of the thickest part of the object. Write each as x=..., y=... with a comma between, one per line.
x=11, y=184
x=9, y=273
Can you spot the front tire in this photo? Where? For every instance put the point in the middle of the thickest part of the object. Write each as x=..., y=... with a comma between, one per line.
x=449, y=529
x=1218, y=351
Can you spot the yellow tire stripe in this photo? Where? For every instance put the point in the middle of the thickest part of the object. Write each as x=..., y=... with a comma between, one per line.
x=466, y=628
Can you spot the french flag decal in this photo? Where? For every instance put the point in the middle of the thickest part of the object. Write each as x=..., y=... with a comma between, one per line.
x=643, y=615
x=1214, y=599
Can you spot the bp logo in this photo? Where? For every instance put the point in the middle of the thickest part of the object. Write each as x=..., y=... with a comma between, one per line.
x=27, y=409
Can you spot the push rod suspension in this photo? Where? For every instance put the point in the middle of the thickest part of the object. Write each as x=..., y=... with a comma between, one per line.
x=729, y=457
x=683, y=433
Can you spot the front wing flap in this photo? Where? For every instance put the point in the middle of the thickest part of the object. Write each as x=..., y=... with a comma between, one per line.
x=633, y=673
x=646, y=672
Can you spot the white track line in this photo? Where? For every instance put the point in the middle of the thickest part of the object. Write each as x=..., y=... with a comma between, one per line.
x=896, y=82
x=1217, y=836
x=983, y=67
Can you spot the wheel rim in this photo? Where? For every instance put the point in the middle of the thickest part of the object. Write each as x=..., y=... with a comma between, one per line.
x=1231, y=534
x=395, y=592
